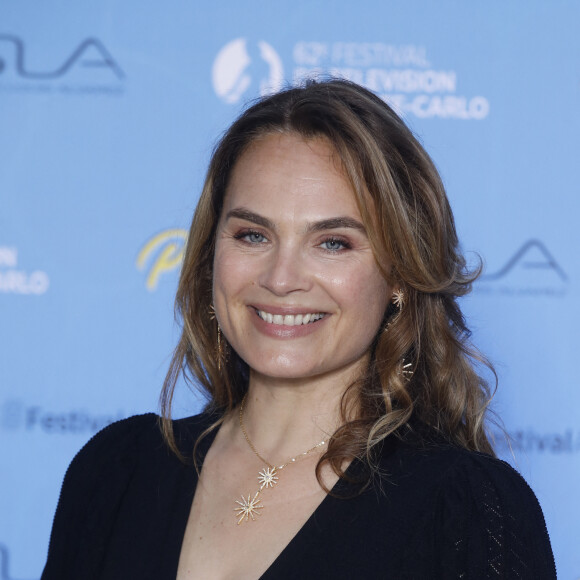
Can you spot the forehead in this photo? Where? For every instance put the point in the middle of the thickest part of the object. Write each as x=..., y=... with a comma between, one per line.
x=287, y=173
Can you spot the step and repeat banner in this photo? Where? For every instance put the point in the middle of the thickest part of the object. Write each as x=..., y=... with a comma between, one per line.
x=108, y=115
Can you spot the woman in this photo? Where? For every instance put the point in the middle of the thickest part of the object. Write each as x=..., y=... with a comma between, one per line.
x=345, y=431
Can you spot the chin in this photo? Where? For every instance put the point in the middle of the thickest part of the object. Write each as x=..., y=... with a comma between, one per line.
x=285, y=368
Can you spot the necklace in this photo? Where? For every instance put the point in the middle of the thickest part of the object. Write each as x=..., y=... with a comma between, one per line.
x=249, y=507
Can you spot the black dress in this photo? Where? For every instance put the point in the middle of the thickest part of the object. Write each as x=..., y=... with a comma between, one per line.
x=438, y=512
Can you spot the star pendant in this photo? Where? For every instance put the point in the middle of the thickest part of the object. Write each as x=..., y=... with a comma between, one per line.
x=268, y=477
x=249, y=508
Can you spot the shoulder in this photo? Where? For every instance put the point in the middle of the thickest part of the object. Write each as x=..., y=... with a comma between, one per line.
x=136, y=435
x=121, y=433
x=463, y=480
x=126, y=459
x=109, y=460
x=115, y=443
x=117, y=451
x=457, y=467
x=481, y=512
x=448, y=466
x=490, y=487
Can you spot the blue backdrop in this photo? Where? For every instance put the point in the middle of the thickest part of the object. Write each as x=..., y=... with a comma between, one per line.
x=108, y=114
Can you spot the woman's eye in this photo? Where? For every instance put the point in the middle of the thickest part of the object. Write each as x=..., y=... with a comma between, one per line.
x=255, y=237
x=334, y=245
x=251, y=237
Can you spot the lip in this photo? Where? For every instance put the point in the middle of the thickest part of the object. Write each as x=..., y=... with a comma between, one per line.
x=282, y=331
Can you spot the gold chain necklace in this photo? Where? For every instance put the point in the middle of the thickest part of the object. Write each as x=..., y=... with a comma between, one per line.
x=250, y=506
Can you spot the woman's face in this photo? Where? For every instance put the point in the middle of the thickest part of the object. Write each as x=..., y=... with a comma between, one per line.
x=296, y=288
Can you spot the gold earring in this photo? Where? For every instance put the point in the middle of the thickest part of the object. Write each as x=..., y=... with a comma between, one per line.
x=221, y=354
x=405, y=370
x=220, y=349
x=398, y=299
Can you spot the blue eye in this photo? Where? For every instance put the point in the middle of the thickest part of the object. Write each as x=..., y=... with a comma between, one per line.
x=255, y=237
x=251, y=237
x=334, y=245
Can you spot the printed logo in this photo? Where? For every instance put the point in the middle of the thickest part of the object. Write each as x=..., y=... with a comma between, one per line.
x=16, y=415
x=532, y=441
x=240, y=67
x=400, y=74
x=17, y=281
x=531, y=270
x=88, y=67
x=161, y=254
x=533, y=255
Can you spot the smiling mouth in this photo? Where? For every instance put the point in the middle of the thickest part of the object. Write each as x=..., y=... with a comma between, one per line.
x=290, y=319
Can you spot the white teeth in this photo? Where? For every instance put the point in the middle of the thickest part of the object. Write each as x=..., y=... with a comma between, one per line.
x=289, y=319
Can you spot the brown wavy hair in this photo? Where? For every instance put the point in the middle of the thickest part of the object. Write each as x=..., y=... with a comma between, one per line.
x=410, y=225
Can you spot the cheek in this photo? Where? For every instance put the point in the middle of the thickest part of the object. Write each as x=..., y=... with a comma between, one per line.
x=233, y=277
x=224, y=282
x=229, y=271
x=360, y=289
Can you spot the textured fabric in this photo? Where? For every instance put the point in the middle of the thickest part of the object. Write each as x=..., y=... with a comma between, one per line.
x=436, y=512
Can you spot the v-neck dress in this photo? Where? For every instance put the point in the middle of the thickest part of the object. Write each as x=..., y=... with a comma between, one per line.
x=435, y=511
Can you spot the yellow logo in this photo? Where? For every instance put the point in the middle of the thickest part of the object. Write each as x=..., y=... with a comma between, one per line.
x=168, y=247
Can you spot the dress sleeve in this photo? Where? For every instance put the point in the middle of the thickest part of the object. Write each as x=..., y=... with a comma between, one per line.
x=91, y=493
x=490, y=524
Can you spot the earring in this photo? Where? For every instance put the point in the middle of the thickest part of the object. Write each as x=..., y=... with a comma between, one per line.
x=221, y=356
x=405, y=370
x=398, y=299
x=221, y=353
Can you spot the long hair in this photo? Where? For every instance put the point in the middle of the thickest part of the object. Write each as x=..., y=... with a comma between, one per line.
x=410, y=225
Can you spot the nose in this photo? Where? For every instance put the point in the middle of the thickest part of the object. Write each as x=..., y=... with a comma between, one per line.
x=286, y=271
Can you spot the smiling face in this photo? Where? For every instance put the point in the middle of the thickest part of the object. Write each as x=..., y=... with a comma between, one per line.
x=297, y=291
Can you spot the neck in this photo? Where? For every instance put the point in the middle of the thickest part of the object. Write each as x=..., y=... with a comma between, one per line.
x=285, y=417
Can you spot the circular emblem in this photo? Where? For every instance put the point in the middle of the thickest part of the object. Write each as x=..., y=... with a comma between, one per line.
x=240, y=67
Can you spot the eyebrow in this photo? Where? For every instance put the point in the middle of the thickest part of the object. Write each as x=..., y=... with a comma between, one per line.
x=250, y=216
x=335, y=223
x=328, y=224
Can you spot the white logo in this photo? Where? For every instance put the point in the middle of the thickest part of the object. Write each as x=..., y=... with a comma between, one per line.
x=15, y=281
x=230, y=75
x=401, y=75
